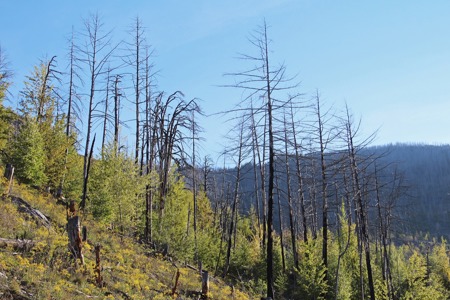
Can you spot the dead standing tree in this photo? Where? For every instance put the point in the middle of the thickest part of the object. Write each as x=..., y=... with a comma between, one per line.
x=259, y=163
x=74, y=233
x=137, y=60
x=262, y=81
x=95, y=54
x=233, y=218
x=299, y=175
x=324, y=134
x=289, y=194
x=73, y=107
x=172, y=117
x=361, y=209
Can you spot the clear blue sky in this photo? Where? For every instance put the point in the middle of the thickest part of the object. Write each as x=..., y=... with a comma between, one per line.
x=389, y=60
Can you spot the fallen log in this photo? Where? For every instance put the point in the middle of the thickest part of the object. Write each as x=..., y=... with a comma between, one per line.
x=24, y=207
x=17, y=244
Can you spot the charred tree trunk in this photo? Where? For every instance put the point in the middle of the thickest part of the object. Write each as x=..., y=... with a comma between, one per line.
x=86, y=178
x=299, y=181
x=361, y=210
x=289, y=198
x=97, y=54
x=116, y=113
x=235, y=201
x=323, y=170
x=283, y=262
x=105, y=115
x=75, y=241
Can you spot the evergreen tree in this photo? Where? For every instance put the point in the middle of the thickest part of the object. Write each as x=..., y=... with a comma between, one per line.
x=115, y=189
x=6, y=114
x=28, y=155
x=38, y=100
x=39, y=103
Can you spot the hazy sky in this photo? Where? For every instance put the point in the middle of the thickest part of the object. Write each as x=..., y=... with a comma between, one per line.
x=389, y=60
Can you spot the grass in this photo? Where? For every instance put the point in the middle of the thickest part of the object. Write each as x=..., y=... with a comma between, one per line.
x=47, y=271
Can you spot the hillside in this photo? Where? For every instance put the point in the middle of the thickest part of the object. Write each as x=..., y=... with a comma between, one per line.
x=421, y=207
x=112, y=199
x=425, y=207
x=42, y=267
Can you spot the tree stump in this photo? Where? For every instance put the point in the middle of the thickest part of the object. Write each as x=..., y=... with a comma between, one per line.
x=98, y=269
x=75, y=242
x=9, y=174
x=205, y=284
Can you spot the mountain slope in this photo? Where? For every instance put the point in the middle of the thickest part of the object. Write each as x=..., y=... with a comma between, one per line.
x=46, y=270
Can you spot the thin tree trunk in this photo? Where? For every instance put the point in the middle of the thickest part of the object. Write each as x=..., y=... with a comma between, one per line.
x=235, y=200
x=300, y=181
x=194, y=188
x=86, y=178
x=255, y=174
x=313, y=192
x=360, y=207
x=148, y=156
x=105, y=117
x=137, y=86
x=262, y=174
x=385, y=257
x=270, y=271
x=116, y=113
x=283, y=262
x=323, y=169
x=289, y=197
x=69, y=113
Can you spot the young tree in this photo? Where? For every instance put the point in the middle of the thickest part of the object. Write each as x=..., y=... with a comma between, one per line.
x=6, y=114
x=5, y=75
x=116, y=187
x=39, y=102
x=27, y=154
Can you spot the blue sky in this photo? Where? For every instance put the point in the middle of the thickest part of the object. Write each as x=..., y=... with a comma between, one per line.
x=389, y=60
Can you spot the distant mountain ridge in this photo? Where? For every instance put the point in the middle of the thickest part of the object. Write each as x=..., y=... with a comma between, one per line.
x=426, y=170
x=422, y=207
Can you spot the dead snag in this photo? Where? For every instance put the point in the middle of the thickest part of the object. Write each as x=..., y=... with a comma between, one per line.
x=99, y=277
x=9, y=174
x=177, y=276
x=205, y=284
x=75, y=242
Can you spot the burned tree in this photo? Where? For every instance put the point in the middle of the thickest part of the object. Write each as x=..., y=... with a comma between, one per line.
x=264, y=82
x=95, y=54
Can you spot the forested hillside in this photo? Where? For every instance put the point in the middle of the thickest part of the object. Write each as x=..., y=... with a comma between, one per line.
x=425, y=206
x=303, y=206
x=422, y=206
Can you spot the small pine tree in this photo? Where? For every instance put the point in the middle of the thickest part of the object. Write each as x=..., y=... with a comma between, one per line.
x=116, y=188
x=28, y=155
x=311, y=272
x=6, y=114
